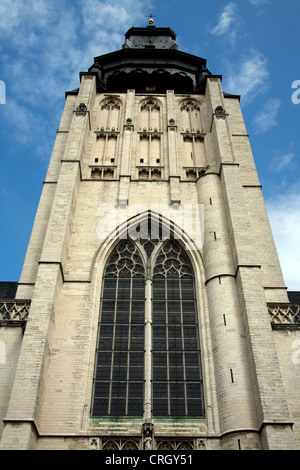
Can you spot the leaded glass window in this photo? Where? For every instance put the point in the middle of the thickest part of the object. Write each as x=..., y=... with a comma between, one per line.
x=119, y=374
x=177, y=384
x=126, y=346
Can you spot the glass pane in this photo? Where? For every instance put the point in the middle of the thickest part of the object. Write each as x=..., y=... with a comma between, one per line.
x=195, y=407
x=100, y=407
x=176, y=389
x=105, y=343
x=160, y=407
x=159, y=359
x=136, y=373
x=177, y=407
x=192, y=373
x=135, y=407
x=106, y=330
x=176, y=373
x=118, y=389
x=118, y=407
x=108, y=306
x=136, y=359
x=110, y=293
x=103, y=373
x=160, y=373
x=136, y=390
x=160, y=389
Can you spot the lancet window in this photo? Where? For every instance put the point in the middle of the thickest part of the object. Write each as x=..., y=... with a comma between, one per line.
x=107, y=132
x=192, y=135
x=150, y=134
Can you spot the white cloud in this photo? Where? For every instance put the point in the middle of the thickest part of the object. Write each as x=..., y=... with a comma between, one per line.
x=282, y=162
x=249, y=78
x=259, y=2
x=228, y=21
x=16, y=16
x=115, y=13
x=266, y=119
x=46, y=44
x=284, y=215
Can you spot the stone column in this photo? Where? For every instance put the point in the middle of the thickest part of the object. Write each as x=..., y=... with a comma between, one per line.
x=125, y=170
x=175, y=195
x=270, y=401
x=22, y=420
x=148, y=352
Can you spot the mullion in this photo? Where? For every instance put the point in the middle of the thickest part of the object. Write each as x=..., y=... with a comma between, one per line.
x=167, y=345
x=183, y=350
x=113, y=349
x=128, y=347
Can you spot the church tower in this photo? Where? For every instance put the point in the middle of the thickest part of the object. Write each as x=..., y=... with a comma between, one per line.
x=151, y=278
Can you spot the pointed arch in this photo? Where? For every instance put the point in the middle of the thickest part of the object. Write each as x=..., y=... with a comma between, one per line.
x=119, y=372
x=143, y=263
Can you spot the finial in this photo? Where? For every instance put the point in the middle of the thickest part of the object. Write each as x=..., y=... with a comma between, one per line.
x=151, y=20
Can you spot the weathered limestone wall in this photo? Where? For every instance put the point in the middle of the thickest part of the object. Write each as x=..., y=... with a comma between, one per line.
x=115, y=155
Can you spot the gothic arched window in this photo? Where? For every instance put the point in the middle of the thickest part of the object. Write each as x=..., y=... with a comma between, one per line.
x=119, y=374
x=148, y=353
x=177, y=381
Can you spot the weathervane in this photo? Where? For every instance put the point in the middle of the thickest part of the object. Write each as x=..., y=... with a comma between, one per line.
x=151, y=20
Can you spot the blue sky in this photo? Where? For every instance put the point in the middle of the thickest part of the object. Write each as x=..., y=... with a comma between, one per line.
x=44, y=44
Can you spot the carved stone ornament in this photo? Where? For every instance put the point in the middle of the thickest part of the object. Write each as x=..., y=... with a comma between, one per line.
x=94, y=443
x=150, y=134
x=150, y=104
x=130, y=445
x=110, y=104
x=81, y=110
x=102, y=172
x=284, y=314
x=190, y=134
x=193, y=173
x=128, y=126
x=148, y=429
x=220, y=112
x=172, y=125
x=82, y=107
x=110, y=133
x=110, y=445
x=190, y=106
x=14, y=310
x=150, y=172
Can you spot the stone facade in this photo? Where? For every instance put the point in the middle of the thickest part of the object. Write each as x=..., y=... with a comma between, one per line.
x=117, y=158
